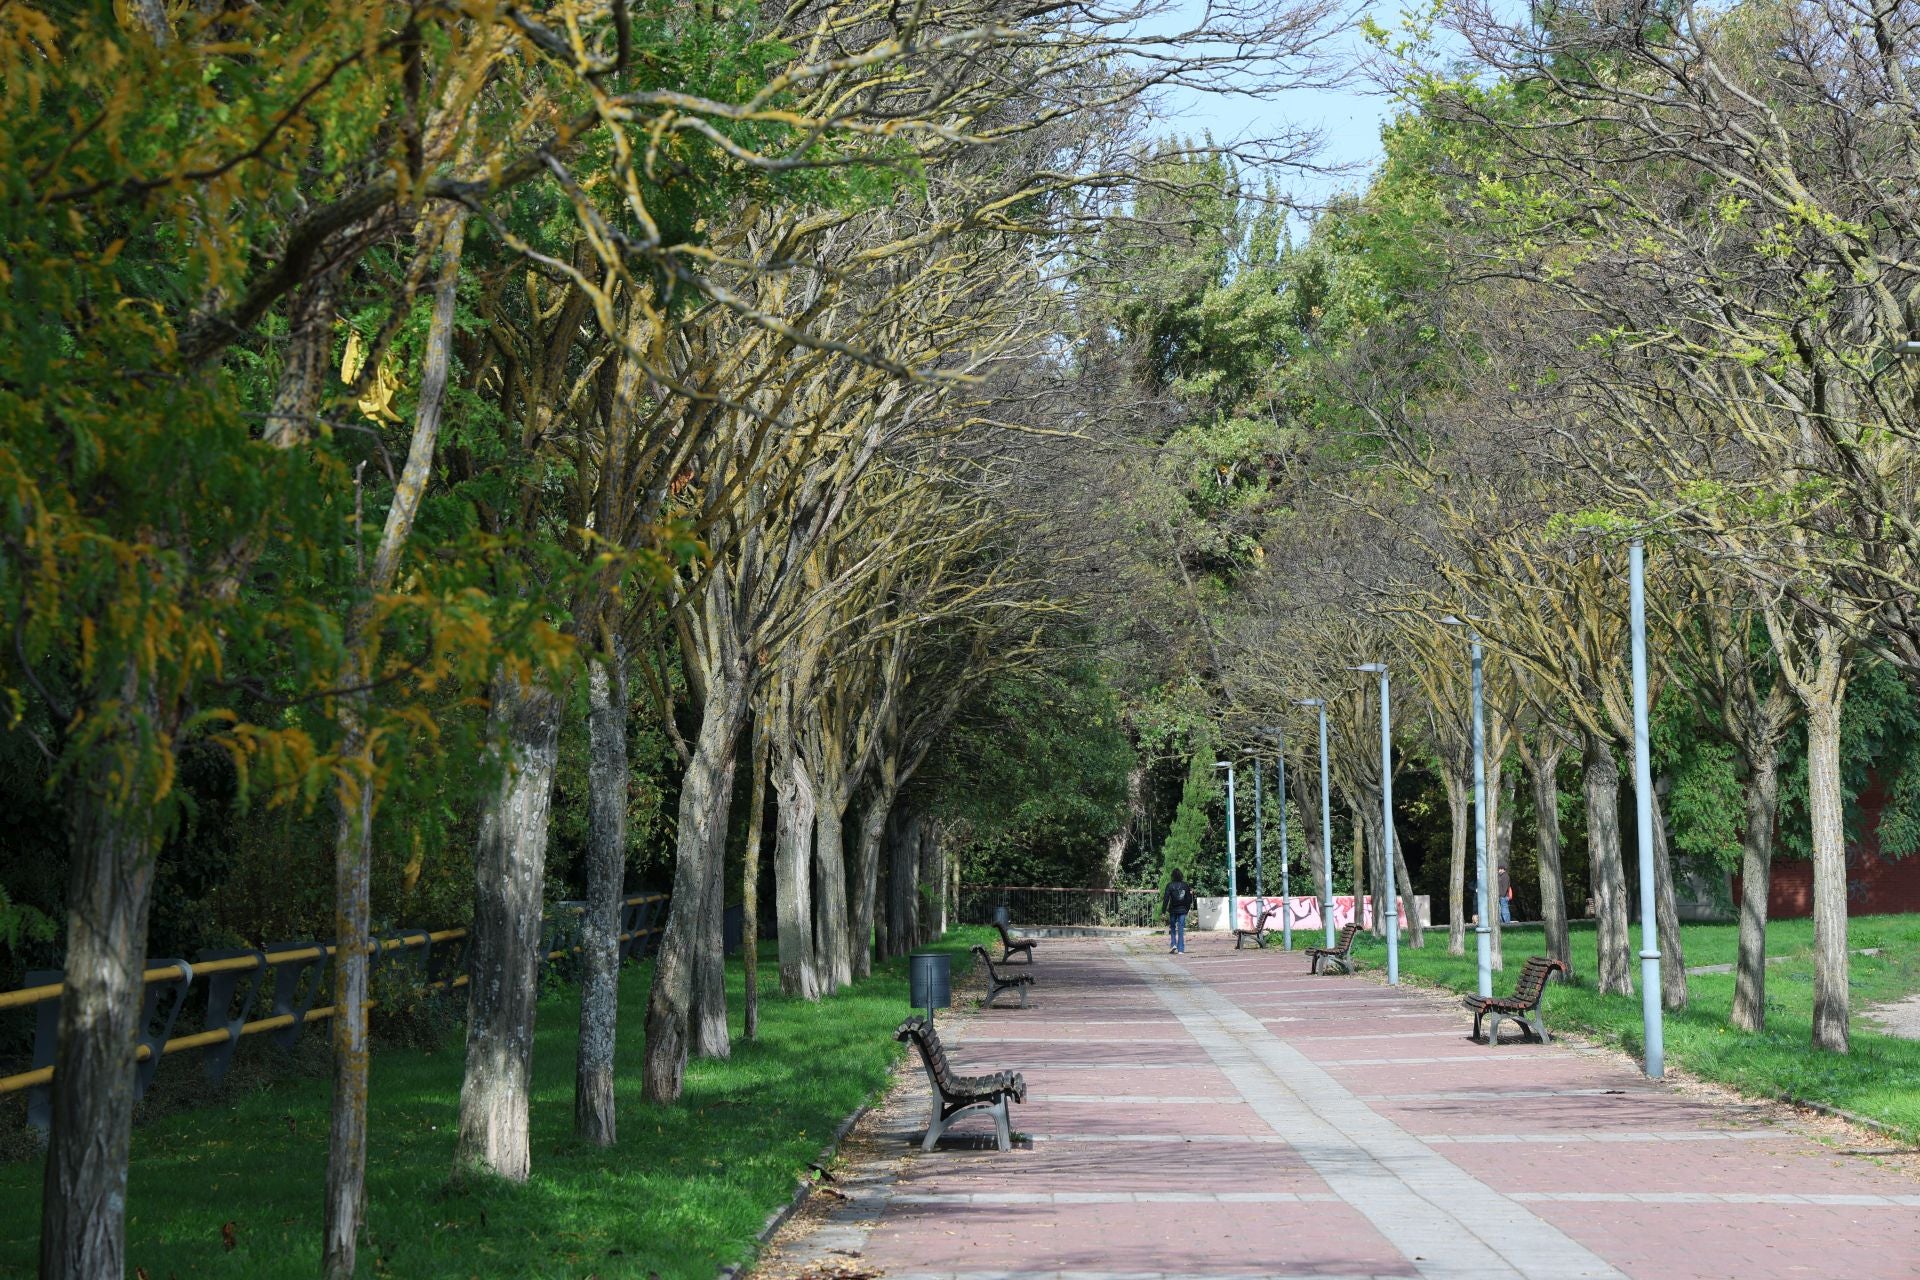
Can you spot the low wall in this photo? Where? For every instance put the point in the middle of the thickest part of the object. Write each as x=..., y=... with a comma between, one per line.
x=1305, y=911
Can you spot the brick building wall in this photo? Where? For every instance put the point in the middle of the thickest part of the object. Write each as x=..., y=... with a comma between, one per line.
x=1876, y=884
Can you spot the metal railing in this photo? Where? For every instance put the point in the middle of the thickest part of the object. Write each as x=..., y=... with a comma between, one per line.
x=234, y=982
x=1041, y=906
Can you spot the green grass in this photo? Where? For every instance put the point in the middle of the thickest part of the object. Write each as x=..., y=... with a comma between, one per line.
x=684, y=1192
x=1879, y=1079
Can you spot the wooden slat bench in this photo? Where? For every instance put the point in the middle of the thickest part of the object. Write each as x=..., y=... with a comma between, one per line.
x=1340, y=953
x=954, y=1096
x=1259, y=931
x=1523, y=1006
x=998, y=982
x=1011, y=945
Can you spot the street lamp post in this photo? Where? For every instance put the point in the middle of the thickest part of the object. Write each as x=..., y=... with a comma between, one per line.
x=1386, y=820
x=1326, y=820
x=1643, y=804
x=1233, y=852
x=1483, y=929
x=1286, y=902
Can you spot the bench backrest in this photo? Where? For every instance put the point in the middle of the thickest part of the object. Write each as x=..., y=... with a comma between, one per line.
x=1005, y=937
x=1533, y=978
x=1267, y=909
x=932, y=1052
x=1347, y=934
x=986, y=958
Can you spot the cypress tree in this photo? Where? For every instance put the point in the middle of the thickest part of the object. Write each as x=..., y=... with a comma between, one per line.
x=1185, y=846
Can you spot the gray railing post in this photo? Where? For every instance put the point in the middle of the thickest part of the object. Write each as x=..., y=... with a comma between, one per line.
x=224, y=989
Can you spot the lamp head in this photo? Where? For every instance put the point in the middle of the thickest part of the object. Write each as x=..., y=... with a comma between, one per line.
x=1908, y=347
x=1310, y=702
x=1375, y=667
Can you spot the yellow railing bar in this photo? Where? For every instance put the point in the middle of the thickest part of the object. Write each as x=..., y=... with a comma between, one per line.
x=201, y=1039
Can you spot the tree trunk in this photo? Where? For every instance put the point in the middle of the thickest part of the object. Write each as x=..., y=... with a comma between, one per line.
x=1359, y=870
x=152, y=17
x=1403, y=888
x=1377, y=869
x=883, y=889
x=509, y=875
x=933, y=878
x=1500, y=792
x=707, y=1023
x=1108, y=874
x=794, y=828
x=305, y=368
x=1309, y=803
x=832, y=951
x=1460, y=806
x=750, y=880
x=866, y=879
x=903, y=882
x=1546, y=810
x=110, y=886
x=706, y=790
x=1666, y=916
x=346, y=1176
x=1600, y=778
x=1830, y=1027
x=606, y=867
x=1762, y=794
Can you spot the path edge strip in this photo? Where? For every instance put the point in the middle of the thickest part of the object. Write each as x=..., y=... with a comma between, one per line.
x=806, y=1185
x=1582, y=1035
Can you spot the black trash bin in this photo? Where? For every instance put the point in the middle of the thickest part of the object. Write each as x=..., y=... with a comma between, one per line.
x=930, y=980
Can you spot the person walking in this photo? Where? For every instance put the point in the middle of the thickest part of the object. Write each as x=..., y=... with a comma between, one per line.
x=1177, y=901
x=1506, y=895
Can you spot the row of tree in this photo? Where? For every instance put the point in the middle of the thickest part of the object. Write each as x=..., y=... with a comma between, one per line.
x=1625, y=271
x=388, y=385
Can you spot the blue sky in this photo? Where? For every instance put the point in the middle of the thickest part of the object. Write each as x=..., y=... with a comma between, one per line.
x=1349, y=119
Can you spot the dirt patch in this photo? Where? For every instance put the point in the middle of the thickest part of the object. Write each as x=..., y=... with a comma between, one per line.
x=1901, y=1018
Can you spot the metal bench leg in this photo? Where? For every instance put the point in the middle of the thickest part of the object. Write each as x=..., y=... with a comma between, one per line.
x=1493, y=1030
x=1023, y=995
x=1538, y=1025
x=935, y=1126
x=1003, y=1125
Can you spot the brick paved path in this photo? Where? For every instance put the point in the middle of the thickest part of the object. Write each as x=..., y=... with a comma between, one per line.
x=1224, y=1114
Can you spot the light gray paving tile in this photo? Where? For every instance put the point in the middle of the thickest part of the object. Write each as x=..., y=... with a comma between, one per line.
x=1422, y=1203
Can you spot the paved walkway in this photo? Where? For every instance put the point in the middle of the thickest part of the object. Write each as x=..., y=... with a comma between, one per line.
x=1223, y=1115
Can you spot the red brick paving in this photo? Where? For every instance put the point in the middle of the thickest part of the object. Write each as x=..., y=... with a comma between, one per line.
x=1196, y=1164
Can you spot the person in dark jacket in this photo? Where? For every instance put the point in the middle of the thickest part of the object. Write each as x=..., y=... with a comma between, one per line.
x=1177, y=901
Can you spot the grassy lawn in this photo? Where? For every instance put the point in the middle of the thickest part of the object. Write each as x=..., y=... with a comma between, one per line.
x=684, y=1192
x=1880, y=1079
